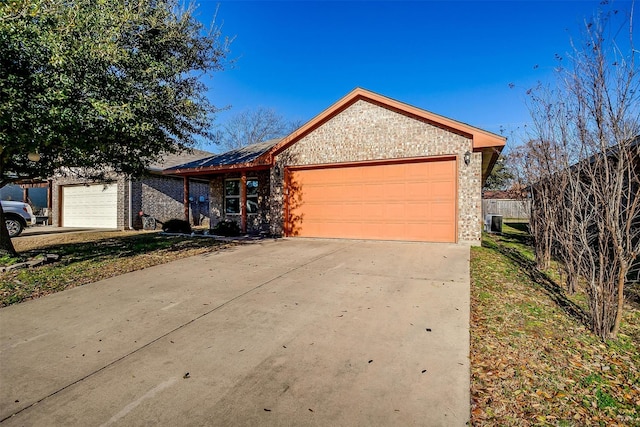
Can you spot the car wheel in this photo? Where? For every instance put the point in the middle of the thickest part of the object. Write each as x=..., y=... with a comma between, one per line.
x=14, y=227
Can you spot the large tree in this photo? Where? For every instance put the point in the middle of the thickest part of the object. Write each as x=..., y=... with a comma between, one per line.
x=101, y=86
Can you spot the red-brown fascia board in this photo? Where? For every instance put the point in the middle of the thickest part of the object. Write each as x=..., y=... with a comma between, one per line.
x=212, y=170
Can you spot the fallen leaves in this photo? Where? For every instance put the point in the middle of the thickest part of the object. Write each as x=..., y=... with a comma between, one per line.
x=534, y=364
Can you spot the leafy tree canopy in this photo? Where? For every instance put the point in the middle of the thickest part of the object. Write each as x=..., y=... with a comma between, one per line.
x=104, y=85
x=501, y=176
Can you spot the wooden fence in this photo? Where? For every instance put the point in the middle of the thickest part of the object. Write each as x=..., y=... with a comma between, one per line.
x=508, y=208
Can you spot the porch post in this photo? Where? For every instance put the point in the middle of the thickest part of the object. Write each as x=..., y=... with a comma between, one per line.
x=186, y=197
x=243, y=202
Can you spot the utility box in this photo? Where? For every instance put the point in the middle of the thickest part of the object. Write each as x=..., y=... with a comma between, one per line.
x=493, y=223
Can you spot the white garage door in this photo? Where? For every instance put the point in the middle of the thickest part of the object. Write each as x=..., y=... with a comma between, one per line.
x=93, y=206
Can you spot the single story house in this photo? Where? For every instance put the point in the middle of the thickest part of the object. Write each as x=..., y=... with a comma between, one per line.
x=77, y=202
x=368, y=167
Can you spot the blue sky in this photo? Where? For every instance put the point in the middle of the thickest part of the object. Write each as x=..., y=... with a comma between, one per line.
x=454, y=58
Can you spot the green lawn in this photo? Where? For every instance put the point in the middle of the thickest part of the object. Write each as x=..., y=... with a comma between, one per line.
x=533, y=360
x=88, y=258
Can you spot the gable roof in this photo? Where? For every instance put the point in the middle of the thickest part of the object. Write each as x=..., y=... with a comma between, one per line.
x=483, y=141
x=480, y=137
x=488, y=143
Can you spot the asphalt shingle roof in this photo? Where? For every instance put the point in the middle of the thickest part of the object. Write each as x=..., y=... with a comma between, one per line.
x=239, y=156
x=171, y=160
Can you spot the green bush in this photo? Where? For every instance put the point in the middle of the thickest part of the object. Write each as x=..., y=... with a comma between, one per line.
x=226, y=228
x=176, y=226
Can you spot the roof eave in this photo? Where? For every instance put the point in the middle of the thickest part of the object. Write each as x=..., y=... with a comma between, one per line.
x=490, y=156
x=261, y=163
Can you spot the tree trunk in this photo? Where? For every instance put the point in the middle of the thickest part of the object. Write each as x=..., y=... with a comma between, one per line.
x=572, y=280
x=622, y=275
x=6, y=245
x=543, y=251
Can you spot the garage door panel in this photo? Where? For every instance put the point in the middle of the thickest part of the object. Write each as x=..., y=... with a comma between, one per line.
x=417, y=212
x=93, y=206
x=419, y=191
x=389, y=175
x=443, y=168
x=441, y=190
x=442, y=211
x=400, y=201
x=350, y=211
x=394, y=210
x=390, y=190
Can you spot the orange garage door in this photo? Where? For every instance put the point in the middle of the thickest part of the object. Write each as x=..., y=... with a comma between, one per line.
x=398, y=201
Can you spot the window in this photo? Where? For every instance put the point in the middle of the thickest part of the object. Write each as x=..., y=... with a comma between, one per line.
x=232, y=196
x=252, y=196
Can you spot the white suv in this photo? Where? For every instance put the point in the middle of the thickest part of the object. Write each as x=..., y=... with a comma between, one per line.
x=17, y=216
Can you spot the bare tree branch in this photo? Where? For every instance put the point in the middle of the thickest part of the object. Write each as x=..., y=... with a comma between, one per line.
x=252, y=126
x=583, y=167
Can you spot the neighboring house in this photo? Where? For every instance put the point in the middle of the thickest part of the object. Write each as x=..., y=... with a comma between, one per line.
x=368, y=167
x=35, y=192
x=116, y=203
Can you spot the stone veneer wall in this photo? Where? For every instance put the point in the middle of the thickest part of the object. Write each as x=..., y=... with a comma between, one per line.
x=256, y=223
x=365, y=131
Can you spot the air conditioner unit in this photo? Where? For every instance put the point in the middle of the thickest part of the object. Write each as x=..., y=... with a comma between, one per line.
x=493, y=223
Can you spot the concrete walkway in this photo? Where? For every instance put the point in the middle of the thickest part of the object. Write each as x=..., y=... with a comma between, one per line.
x=289, y=332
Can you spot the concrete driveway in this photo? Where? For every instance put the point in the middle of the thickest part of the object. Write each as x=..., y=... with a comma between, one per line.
x=289, y=332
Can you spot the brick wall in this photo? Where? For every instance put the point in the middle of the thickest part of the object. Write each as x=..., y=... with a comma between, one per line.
x=256, y=223
x=365, y=131
x=136, y=203
x=56, y=195
x=158, y=196
x=162, y=197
